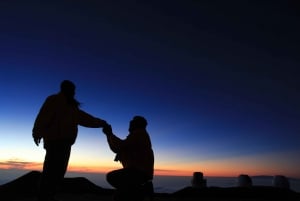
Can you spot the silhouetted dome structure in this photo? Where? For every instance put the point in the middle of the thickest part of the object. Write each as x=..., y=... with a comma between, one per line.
x=198, y=181
x=244, y=180
x=281, y=181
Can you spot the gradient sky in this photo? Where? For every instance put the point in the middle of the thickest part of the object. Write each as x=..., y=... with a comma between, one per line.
x=217, y=81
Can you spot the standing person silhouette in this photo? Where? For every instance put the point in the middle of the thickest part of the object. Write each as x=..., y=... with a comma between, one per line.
x=137, y=158
x=57, y=124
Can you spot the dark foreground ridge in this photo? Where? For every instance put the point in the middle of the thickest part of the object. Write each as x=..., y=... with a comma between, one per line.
x=25, y=187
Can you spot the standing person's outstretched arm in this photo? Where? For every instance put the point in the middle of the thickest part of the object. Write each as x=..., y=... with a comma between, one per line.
x=88, y=120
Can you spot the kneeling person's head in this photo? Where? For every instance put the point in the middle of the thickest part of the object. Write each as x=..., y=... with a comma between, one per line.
x=138, y=122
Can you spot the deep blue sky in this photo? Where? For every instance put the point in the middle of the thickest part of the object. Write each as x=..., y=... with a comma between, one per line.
x=218, y=81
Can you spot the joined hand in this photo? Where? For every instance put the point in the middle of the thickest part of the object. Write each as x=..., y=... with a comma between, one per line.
x=107, y=129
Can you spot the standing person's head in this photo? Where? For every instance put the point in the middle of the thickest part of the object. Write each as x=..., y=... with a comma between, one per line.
x=68, y=89
x=138, y=122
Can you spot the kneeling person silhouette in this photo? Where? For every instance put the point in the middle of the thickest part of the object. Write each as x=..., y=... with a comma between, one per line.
x=136, y=156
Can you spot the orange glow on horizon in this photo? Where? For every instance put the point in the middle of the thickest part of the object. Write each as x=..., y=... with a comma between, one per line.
x=162, y=172
x=91, y=169
x=213, y=168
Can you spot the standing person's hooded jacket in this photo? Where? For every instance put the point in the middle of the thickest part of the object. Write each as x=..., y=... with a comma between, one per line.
x=58, y=120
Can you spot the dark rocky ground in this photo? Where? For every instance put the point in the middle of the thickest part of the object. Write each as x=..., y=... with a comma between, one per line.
x=81, y=189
